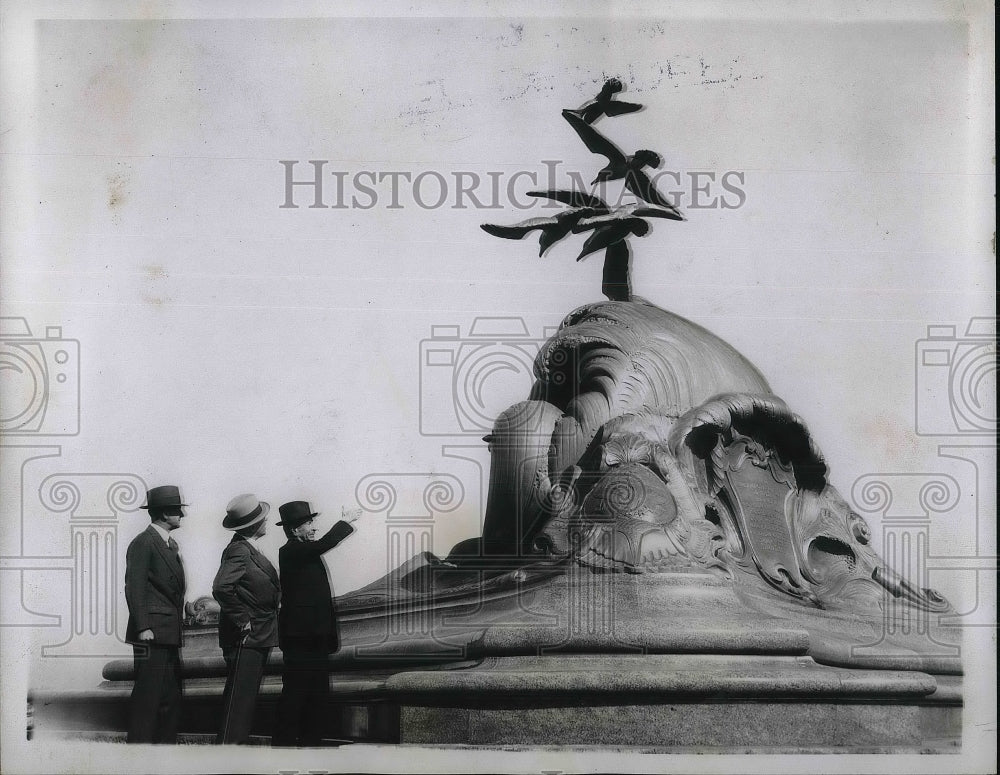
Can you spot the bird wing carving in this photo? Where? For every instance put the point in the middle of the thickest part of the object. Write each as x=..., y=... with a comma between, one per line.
x=638, y=183
x=517, y=230
x=618, y=107
x=573, y=198
x=594, y=140
x=621, y=223
x=656, y=211
x=608, y=234
x=605, y=104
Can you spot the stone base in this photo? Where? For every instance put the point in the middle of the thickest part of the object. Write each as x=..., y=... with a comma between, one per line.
x=666, y=661
x=759, y=726
x=102, y=714
x=678, y=701
x=706, y=702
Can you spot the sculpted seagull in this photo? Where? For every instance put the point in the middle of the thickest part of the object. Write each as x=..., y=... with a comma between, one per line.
x=553, y=229
x=619, y=165
x=605, y=104
x=556, y=227
x=608, y=232
x=611, y=226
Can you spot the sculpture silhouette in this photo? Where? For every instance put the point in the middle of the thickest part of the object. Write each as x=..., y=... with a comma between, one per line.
x=619, y=165
x=605, y=104
x=611, y=227
x=553, y=228
x=616, y=280
x=574, y=199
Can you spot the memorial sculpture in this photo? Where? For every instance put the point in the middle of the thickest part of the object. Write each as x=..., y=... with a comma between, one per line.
x=649, y=443
x=664, y=559
x=647, y=447
x=662, y=548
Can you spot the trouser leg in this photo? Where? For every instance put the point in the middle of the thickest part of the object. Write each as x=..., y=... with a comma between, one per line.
x=155, y=702
x=145, y=699
x=244, y=674
x=315, y=719
x=294, y=692
x=302, y=708
x=172, y=696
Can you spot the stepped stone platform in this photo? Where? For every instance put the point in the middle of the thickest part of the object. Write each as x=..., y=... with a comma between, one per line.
x=716, y=681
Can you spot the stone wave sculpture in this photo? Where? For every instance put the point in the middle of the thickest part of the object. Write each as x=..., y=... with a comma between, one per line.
x=650, y=445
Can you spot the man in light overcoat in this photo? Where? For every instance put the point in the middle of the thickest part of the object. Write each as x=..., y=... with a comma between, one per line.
x=247, y=589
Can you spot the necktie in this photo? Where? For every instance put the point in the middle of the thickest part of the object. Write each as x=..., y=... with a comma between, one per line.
x=172, y=545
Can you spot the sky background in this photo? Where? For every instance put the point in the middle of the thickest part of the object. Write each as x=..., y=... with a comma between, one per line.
x=228, y=345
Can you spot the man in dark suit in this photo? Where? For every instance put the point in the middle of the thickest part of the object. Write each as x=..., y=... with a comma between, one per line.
x=246, y=587
x=154, y=591
x=307, y=626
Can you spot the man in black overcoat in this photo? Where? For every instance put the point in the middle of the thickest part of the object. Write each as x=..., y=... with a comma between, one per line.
x=246, y=587
x=154, y=591
x=307, y=626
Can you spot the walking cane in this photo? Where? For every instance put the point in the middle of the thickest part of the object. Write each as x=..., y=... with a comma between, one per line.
x=229, y=705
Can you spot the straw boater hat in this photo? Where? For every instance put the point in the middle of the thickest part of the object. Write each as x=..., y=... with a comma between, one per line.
x=245, y=511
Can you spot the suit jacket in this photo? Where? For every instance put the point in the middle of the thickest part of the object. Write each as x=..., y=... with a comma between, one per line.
x=308, y=617
x=154, y=590
x=246, y=587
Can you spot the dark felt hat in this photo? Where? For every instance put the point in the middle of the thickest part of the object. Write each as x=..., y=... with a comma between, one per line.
x=244, y=511
x=165, y=497
x=294, y=513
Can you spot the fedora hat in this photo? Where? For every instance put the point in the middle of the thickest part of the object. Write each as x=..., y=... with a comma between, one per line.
x=244, y=511
x=294, y=513
x=165, y=497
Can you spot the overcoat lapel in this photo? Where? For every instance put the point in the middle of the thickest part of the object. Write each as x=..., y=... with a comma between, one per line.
x=264, y=564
